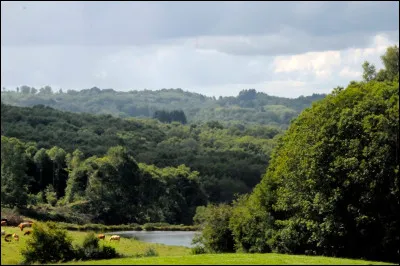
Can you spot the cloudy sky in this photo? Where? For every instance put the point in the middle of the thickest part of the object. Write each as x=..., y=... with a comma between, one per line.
x=213, y=48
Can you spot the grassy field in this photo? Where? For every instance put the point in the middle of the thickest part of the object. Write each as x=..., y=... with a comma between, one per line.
x=133, y=249
x=231, y=259
x=10, y=251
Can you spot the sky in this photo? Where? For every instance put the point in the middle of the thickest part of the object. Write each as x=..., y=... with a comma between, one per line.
x=285, y=49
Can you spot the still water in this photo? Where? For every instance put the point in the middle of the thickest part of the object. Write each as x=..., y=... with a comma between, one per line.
x=172, y=238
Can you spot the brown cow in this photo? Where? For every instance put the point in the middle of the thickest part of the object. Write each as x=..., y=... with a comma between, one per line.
x=23, y=225
x=16, y=237
x=7, y=236
x=3, y=223
x=115, y=237
x=28, y=232
x=101, y=236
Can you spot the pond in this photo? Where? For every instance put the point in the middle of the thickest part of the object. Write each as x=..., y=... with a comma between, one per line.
x=171, y=238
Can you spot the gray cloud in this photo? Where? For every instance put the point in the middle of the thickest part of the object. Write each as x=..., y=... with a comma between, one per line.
x=140, y=23
x=215, y=48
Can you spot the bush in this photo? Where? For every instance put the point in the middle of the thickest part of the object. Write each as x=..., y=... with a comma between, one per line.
x=13, y=218
x=91, y=249
x=150, y=252
x=198, y=250
x=216, y=235
x=148, y=227
x=48, y=244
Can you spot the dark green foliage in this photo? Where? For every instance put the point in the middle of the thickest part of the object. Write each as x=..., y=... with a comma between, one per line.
x=216, y=236
x=207, y=148
x=92, y=250
x=332, y=184
x=14, y=180
x=168, y=117
x=48, y=244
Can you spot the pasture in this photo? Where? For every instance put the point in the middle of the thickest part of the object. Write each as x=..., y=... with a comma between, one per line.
x=134, y=250
x=131, y=248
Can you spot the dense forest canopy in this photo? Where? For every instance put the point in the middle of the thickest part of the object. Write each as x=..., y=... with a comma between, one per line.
x=59, y=155
x=248, y=107
x=332, y=184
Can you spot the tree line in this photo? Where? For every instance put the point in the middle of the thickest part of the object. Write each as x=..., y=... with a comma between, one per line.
x=249, y=106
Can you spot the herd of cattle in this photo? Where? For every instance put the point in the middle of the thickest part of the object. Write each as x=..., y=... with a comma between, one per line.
x=8, y=237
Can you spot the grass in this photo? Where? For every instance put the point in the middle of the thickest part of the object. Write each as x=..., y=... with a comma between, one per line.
x=231, y=259
x=134, y=253
x=10, y=251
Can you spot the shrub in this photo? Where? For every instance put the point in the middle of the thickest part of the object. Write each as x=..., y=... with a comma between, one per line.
x=150, y=252
x=148, y=227
x=198, y=250
x=216, y=235
x=13, y=218
x=91, y=249
x=48, y=244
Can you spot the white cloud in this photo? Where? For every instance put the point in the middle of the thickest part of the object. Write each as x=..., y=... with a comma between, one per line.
x=319, y=63
x=346, y=72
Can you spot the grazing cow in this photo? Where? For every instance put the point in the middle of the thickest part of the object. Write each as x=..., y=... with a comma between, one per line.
x=28, y=232
x=115, y=237
x=16, y=237
x=101, y=236
x=3, y=232
x=3, y=223
x=23, y=225
x=7, y=236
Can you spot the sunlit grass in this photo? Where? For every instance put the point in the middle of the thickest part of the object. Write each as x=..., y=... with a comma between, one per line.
x=11, y=251
x=131, y=249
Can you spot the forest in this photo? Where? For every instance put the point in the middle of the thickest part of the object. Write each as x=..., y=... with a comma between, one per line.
x=320, y=177
x=249, y=106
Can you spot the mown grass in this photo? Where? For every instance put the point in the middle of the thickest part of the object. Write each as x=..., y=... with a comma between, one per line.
x=231, y=259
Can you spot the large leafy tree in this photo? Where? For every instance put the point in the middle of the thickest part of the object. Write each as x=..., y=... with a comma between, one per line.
x=14, y=181
x=332, y=185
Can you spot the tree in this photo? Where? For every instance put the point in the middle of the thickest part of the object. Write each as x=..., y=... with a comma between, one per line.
x=113, y=185
x=369, y=71
x=14, y=181
x=57, y=156
x=391, y=62
x=332, y=184
x=216, y=235
x=46, y=90
x=77, y=176
x=25, y=89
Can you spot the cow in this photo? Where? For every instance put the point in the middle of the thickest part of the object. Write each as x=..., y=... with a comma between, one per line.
x=101, y=236
x=115, y=237
x=28, y=232
x=6, y=237
x=23, y=225
x=3, y=223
